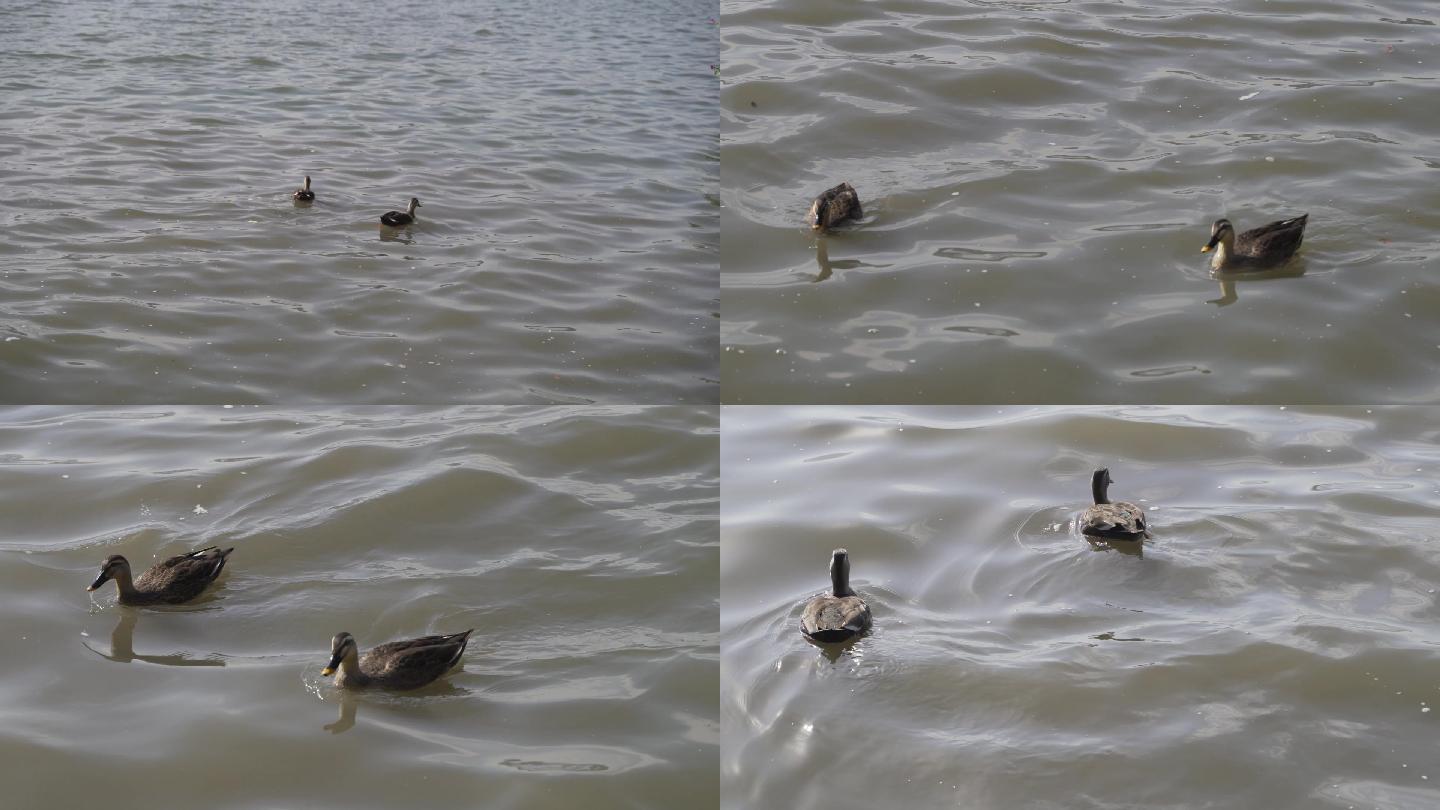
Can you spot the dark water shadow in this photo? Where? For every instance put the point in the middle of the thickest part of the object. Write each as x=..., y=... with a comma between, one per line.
x=122, y=647
x=1133, y=548
x=834, y=649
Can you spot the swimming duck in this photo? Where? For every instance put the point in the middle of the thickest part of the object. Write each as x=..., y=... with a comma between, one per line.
x=178, y=579
x=397, y=218
x=397, y=665
x=304, y=194
x=839, y=615
x=834, y=207
x=1262, y=247
x=1113, y=521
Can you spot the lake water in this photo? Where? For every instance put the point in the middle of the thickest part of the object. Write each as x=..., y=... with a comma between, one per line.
x=1274, y=646
x=1038, y=179
x=580, y=543
x=565, y=158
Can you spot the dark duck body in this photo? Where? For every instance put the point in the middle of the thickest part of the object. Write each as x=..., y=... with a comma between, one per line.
x=408, y=664
x=398, y=218
x=834, y=206
x=839, y=615
x=1120, y=520
x=176, y=580
x=1265, y=246
x=304, y=194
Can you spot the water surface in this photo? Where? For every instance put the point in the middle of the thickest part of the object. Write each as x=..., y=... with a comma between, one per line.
x=1039, y=178
x=578, y=542
x=1274, y=646
x=565, y=159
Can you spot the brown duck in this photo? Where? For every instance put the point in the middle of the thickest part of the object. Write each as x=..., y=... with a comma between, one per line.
x=839, y=615
x=406, y=664
x=1120, y=520
x=396, y=219
x=304, y=194
x=833, y=207
x=178, y=579
x=1265, y=246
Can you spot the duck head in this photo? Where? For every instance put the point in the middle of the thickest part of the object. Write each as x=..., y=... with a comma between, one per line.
x=113, y=567
x=1221, y=233
x=342, y=646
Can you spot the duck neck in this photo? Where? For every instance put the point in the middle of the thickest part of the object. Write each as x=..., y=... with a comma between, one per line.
x=307, y=182
x=840, y=581
x=350, y=674
x=411, y=209
x=124, y=583
x=1099, y=487
x=1223, y=250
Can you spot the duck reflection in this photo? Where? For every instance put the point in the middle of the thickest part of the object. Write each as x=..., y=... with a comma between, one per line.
x=827, y=267
x=1228, y=292
x=350, y=702
x=346, y=720
x=122, y=647
x=404, y=237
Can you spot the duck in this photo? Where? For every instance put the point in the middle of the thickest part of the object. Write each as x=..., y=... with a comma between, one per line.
x=397, y=218
x=176, y=580
x=833, y=207
x=839, y=615
x=408, y=664
x=1265, y=246
x=1120, y=520
x=304, y=194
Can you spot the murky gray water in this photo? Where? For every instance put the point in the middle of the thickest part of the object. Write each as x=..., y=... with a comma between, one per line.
x=1275, y=646
x=579, y=543
x=565, y=158
x=1039, y=178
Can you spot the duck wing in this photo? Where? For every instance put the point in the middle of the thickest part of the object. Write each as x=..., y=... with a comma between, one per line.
x=1278, y=239
x=1118, y=519
x=834, y=618
x=201, y=566
x=427, y=657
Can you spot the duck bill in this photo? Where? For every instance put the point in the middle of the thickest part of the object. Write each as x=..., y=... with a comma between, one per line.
x=99, y=580
x=334, y=663
x=1209, y=246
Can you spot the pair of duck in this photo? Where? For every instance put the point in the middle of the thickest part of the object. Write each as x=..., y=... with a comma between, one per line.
x=842, y=615
x=1256, y=249
x=394, y=219
x=408, y=664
